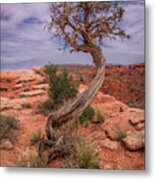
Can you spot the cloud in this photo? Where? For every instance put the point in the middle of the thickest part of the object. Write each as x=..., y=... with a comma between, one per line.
x=24, y=39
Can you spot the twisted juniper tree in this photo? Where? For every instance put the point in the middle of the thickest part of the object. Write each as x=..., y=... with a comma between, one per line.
x=83, y=27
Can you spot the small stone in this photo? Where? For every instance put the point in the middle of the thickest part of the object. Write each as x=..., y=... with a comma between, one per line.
x=134, y=140
x=108, y=167
x=136, y=120
x=139, y=127
x=112, y=145
x=6, y=144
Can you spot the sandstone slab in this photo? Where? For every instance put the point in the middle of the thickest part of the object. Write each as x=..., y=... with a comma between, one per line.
x=134, y=140
x=32, y=93
x=7, y=103
x=112, y=145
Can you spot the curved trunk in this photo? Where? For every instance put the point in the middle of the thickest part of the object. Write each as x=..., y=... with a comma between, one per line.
x=75, y=108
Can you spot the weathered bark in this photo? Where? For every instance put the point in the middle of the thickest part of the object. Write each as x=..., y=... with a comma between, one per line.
x=74, y=109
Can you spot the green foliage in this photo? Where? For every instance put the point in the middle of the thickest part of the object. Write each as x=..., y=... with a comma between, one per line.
x=44, y=81
x=27, y=89
x=36, y=137
x=7, y=124
x=26, y=106
x=61, y=87
x=100, y=116
x=87, y=157
x=87, y=114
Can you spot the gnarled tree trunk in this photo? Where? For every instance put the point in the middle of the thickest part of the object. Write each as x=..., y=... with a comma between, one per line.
x=74, y=109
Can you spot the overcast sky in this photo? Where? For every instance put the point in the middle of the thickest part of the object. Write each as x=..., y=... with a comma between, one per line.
x=25, y=42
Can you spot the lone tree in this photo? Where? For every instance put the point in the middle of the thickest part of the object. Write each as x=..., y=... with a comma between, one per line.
x=83, y=27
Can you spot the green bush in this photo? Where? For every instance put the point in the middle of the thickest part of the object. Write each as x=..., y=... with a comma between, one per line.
x=100, y=117
x=87, y=114
x=87, y=157
x=26, y=106
x=61, y=87
x=7, y=124
x=36, y=137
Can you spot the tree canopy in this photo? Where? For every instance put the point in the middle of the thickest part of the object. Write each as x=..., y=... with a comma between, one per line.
x=80, y=24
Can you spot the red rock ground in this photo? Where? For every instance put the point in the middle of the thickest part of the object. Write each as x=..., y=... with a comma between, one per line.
x=96, y=134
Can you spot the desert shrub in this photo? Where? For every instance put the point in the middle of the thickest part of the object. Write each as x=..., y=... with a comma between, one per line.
x=121, y=133
x=78, y=154
x=39, y=73
x=9, y=81
x=87, y=114
x=7, y=124
x=44, y=81
x=26, y=106
x=36, y=137
x=29, y=158
x=43, y=88
x=61, y=86
x=27, y=89
x=46, y=107
x=87, y=157
x=100, y=117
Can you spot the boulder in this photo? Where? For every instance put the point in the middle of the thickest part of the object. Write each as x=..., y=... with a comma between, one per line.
x=139, y=127
x=6, y=144
x=134, y=140
x=112, y=145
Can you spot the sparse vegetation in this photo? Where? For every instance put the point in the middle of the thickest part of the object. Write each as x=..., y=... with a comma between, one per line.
x=36, y=137
x=44, y=81
x=86, y=115
x=9, y=81
x=26, y=106
x=7, y=124
x=31, y=159
x=39, y=73
x=121, y=133
x=26, y=90
x=46, y=107
x=100, y=116
x=22, y=95
x=83, y=156
x=87, y=157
